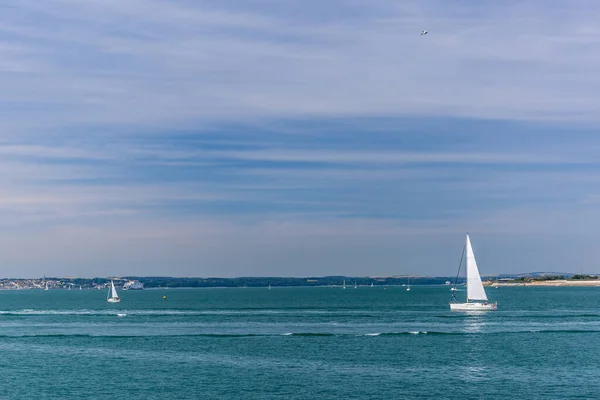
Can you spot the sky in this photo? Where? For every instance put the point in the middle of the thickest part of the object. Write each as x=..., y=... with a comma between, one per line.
x=285, y=138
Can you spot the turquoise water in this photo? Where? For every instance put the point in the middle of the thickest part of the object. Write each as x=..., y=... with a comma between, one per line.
x=299, y=343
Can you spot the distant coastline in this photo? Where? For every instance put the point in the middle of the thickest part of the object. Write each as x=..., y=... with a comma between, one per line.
x=560, y=282
x=533, y=279
x=175, y=282
x=546, y=280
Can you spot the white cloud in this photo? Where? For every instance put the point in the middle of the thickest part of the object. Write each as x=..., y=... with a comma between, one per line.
x=385, y=157
x=91, y=93
x=170, y=63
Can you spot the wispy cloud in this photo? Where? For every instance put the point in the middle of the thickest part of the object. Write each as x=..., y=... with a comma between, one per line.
x=178, y=62
x=309, y=137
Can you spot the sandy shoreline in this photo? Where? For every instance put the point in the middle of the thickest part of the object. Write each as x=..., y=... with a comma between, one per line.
x=558, y=282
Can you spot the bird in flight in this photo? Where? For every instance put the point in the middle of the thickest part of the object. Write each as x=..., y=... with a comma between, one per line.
x=423, y=33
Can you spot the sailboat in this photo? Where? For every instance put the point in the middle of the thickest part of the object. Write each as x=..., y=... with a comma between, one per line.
x=344, y=287
x=113, y=297
x=355, y=286
x=371, y=284
x=46, y=288
x=476, y=298
x=408, y=285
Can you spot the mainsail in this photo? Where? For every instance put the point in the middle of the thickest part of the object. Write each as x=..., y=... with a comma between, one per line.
x=113, y=290
x=475, y=289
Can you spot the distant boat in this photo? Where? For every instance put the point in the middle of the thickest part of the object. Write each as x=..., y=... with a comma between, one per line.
x=46, y=288
x=133, y=285
x=355, y=285
x=408, y=285
x=371, y=284
x=476, y=298
x=269, y=286
x=69, y=287
x=344, y=287
x=79, y=287
x=113, y=297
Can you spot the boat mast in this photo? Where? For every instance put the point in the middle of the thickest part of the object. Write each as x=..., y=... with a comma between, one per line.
x=462, y=256
x=467, y=244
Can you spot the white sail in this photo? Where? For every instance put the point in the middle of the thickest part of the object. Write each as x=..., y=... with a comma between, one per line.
x=475, y=290
x=113, y=290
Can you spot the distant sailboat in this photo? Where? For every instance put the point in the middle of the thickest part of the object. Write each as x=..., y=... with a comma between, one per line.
x=46, y=288
x=355, y=286
x=408, y=285
x=269, y=286
x=113, y=297
x=371, y=284
x=344, y=287
x=79, y=287
x=69, y=287
x=476, y=298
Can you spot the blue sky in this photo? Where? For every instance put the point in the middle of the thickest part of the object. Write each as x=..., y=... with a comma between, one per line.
x=298, y=138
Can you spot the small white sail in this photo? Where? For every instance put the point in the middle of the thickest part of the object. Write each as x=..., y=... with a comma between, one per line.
x=113, y=290
x=475, y=290
x=113, y=297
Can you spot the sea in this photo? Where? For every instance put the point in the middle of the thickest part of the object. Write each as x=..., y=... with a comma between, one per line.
x=299, y=343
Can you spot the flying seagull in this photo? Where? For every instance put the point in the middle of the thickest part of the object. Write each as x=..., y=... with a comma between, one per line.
x=423, y=33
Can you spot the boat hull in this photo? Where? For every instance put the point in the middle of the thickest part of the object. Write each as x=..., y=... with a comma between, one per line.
x=114, y=300
x=473, y=306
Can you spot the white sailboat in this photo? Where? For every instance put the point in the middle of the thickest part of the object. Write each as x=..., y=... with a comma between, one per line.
x=476, y=298
x=355, y=286
x=46, y=288
x=113, y=297
x=408, y=286
x=344, y=287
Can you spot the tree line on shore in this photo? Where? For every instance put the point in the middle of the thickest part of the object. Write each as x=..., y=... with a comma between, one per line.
x=286, y=281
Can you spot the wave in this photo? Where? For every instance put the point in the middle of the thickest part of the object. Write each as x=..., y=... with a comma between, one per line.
x=293, y=334
x=163, y=313
x=171, y=312
x=102, y=313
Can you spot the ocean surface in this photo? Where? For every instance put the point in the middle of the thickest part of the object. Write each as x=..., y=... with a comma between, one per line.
x=299, y=343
